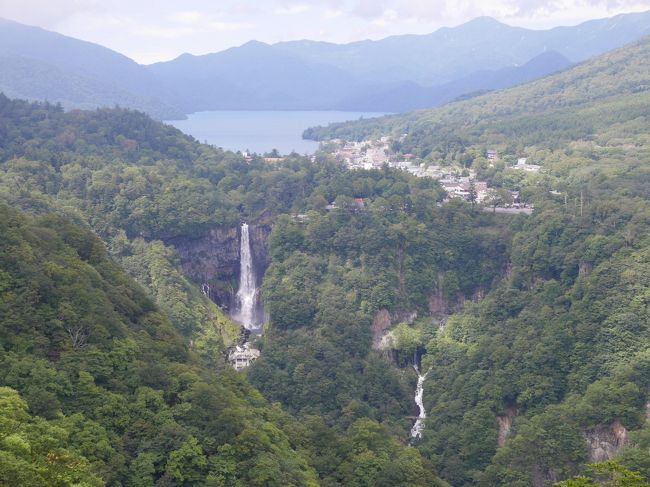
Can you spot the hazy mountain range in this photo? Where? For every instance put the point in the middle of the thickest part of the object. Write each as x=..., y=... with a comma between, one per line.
x=398, y=73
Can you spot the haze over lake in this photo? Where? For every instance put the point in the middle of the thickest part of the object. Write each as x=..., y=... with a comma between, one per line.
x=262, y=131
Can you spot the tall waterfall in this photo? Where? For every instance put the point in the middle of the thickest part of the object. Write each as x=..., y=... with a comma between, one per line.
x=247, y=292
x=418, y=427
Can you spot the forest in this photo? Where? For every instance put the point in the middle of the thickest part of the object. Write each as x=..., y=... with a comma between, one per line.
x=534, y=330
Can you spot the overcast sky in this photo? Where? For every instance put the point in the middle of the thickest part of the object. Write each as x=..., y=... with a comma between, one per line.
x=157, y=30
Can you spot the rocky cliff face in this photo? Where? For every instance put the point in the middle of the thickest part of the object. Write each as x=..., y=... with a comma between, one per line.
x=606, y=442
x=382, y=321
x=504, y=424
x=440, y=306
x=213, y=260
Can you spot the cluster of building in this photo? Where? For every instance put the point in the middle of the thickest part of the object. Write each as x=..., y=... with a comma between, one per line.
x=364, y=155
x=377, y=153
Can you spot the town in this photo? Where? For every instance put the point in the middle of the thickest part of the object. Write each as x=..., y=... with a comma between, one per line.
x=459, y=183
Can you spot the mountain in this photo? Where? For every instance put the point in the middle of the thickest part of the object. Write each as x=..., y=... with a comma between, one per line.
x=43, y=65
x=410, y=96
x=393, y=74
x=397, y=73
x=549, y=370
x=253, y=76
x=483, y=43
x=620, y=75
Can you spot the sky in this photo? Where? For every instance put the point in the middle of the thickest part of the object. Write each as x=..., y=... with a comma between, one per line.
x=158, y=30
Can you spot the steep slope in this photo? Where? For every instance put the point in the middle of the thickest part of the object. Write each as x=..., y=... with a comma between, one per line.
x=43, y=65
x=91, y=354
x=550, y=370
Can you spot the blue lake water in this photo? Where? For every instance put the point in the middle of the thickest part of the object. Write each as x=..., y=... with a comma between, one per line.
x=261, y=131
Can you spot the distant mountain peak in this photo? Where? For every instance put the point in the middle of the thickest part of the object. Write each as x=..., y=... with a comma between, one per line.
x=254, y=45
x=483, y=22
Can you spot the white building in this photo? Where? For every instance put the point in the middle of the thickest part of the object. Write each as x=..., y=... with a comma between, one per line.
x=243, y=356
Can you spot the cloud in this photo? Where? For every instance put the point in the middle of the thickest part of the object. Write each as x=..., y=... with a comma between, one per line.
x=436, y=10
x=294, y=9
x=45, y=13
x=189, y=22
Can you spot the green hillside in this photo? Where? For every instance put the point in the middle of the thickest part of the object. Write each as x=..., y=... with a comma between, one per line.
x=99, y=389
x=569, y=106
x=113, y=392
x=134, y=181
x=558, y=350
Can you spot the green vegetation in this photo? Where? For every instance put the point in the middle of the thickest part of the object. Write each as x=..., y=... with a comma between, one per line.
x=109, y=393
x=331, y=274
x=609, y=474
x=561, y=344
x=151, y=380
x=542, y=360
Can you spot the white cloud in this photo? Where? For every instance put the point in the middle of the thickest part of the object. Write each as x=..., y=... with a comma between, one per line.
x=294, y=9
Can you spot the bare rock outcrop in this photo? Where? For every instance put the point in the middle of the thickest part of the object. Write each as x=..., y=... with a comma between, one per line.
x=606, y=442
x=504, y=423
x=383, y=320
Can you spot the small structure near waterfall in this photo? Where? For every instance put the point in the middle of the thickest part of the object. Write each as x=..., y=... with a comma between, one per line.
x=243, y=356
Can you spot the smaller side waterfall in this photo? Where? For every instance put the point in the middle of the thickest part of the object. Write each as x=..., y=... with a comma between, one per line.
x=247, y=293
x=418, y=427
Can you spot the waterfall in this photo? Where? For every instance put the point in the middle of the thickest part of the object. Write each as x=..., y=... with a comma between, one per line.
x=418, y=427
x=247, y=293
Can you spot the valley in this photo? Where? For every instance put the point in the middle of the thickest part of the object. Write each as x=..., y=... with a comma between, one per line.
x=453, y=296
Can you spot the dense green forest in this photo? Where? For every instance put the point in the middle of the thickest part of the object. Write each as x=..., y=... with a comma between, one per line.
x=558, y=350
x=99, y=388
x=534, y=330
x=99, y=171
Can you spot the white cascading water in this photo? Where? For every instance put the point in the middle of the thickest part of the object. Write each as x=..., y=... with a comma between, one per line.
x=418, y=427
x=247, y=292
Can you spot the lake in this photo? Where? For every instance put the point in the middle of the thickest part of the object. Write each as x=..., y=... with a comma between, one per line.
x=261, y=131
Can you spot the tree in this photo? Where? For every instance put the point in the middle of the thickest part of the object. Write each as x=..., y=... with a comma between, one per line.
x=499, y=197
x=187, y=464
x=607, y=474
x=472, y=197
